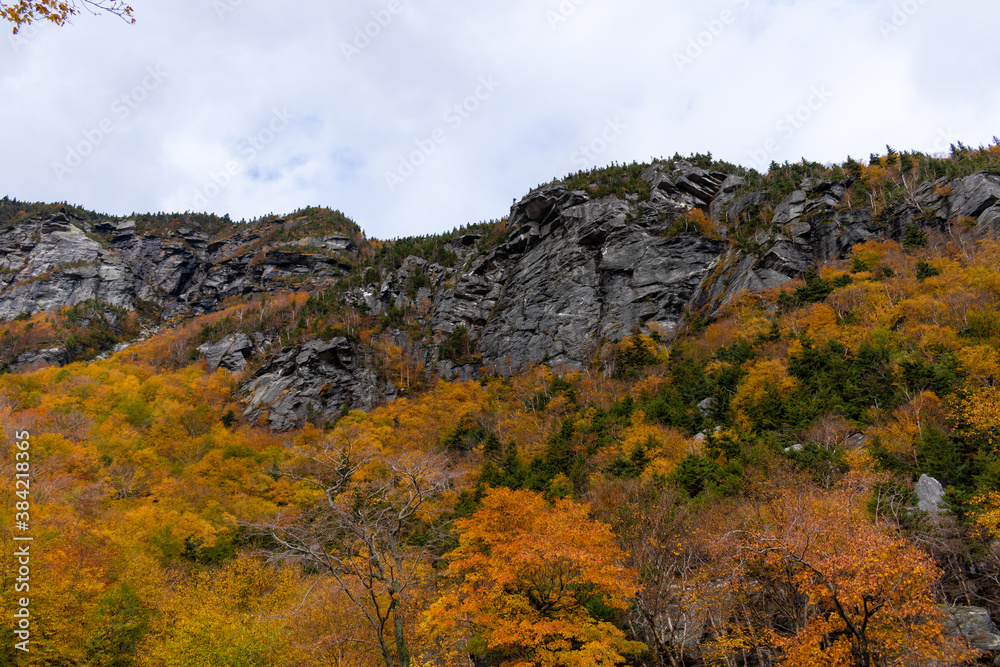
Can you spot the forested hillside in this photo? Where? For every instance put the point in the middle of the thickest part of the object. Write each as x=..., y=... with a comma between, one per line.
x=665, y=414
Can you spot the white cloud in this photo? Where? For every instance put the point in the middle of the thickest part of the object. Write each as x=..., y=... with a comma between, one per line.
x=561, y=82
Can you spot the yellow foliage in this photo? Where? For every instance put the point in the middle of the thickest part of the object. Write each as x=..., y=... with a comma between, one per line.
x=331, y=631
x=765, y=378
x=648, y=386
x=231, y=617
x=987, y=515
x=722, y=332
x=640, y=432
x=859, y=460
x=979, y=414
x=981, y=364
x=697, y=219
x=874, y=252
x=816, y=320
x=899, y=435
x=750, y=313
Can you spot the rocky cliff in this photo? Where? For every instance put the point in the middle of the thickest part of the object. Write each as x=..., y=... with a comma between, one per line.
x=575, y=270
x=572, y=268
x=62, y=261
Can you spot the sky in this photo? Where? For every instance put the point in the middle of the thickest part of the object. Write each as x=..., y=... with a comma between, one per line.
x=417, y=116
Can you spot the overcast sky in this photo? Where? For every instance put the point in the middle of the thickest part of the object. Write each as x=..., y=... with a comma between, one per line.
x=416, y=116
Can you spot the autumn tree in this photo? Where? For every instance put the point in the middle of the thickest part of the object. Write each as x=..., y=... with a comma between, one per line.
x=369, y=529
x=232, y=617
x=977, y=416
x=26, y=12
x=664, y=539
x=760, y=399
x=534, y=584
x=851, y=593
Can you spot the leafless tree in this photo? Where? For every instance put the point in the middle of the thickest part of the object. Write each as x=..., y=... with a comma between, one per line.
x=362, y=532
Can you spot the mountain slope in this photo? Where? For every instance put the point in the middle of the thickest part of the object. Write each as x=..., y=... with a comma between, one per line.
x=233, y=443
x=577, y=263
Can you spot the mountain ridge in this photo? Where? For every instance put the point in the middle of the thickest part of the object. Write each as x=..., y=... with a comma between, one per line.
x=729, y=409
x=577, y=262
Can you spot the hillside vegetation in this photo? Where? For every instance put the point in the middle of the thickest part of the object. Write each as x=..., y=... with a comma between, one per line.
x=737, y=492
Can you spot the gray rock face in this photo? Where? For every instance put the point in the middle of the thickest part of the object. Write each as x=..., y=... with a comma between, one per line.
x=55, y=356
x=726, y=196
x=325, y=242
x=53, y=263
x=973, y=195
x=687, y=185
x=164, y=268
x=974, y=625
x=315, y=382
x=930, y=495
x=574, y=272
x=810, y=228
x=230, y=353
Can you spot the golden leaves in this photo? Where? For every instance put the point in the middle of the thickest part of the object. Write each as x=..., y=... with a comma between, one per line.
x=524, y=574
x=978, y=413
x=229, y=617
x=26, y=12
x=766, y=378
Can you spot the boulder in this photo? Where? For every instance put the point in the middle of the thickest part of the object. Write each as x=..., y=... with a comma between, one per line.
x=856, y=441
x=230, y=353
x=930, y=495
x=974, y=625
x=989, y=221
x=707, y=406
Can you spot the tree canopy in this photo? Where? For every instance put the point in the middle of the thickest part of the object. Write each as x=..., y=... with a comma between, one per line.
x=26, y=12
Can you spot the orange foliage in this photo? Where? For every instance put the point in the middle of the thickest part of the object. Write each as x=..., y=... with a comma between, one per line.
x=524, y=574
x=866, y=595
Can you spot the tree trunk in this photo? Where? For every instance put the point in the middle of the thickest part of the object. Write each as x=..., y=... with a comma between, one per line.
x=401, y=650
